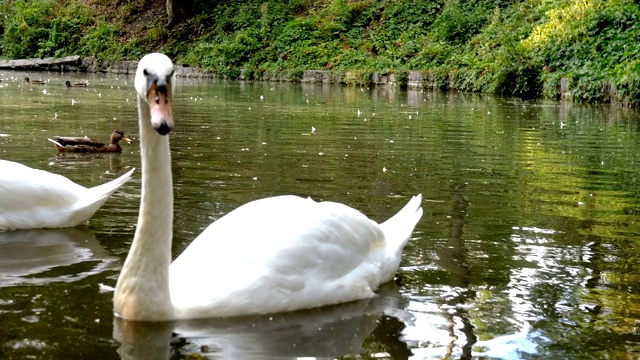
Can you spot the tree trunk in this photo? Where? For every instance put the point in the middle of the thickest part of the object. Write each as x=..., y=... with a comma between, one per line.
x=177, y=10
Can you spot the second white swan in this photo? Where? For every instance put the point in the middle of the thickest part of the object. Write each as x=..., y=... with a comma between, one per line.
x=271, y=255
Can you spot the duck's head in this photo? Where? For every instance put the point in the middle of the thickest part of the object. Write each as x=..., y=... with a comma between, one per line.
x=67, y=83
x=118, y=135
x=154, y=85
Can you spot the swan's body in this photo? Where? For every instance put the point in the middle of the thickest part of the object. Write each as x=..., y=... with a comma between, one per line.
x=271, y=255
x=88, y=145
x=33, y=199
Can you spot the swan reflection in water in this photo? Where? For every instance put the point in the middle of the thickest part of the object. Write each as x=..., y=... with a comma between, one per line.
x=26, y=256
x=326, y=332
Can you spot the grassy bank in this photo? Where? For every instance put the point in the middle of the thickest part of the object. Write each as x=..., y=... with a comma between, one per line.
x=519, y=48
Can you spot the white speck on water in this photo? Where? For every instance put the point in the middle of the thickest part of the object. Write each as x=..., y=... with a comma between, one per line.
x=384, y=169
x=44, y=91
x=261, y=97
x=73, y=102
x=102, y=288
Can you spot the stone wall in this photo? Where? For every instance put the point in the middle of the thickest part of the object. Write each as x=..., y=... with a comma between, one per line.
x=415, y=79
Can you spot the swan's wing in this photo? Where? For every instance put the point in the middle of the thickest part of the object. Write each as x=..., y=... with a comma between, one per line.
x=280, y=254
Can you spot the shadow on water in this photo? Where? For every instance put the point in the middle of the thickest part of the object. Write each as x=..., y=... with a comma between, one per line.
x=320, y=333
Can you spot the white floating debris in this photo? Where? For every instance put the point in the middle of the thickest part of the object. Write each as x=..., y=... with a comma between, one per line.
x=44, y=91
x=73, y=102
x=384, y=169
x=261, y=97
x=320, y=153
x=55, y=115
x=313, y=130
x=255, y=178
x=102, y=288
x=359, y=112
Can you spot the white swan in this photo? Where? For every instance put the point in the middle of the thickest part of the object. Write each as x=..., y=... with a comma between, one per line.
x=271, y=255
x=35, y=199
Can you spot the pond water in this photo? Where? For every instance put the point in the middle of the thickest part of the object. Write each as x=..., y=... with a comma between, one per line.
x=529, y=246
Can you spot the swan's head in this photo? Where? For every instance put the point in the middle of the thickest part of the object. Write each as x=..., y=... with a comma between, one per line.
x=154, y=84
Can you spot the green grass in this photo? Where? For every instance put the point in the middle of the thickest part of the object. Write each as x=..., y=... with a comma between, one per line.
x=492, y=46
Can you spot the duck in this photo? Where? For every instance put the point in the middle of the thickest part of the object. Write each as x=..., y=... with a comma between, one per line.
x=271, y=255
x=88, y=145
x=35, y=82
x=80, y=84
x=37, y=199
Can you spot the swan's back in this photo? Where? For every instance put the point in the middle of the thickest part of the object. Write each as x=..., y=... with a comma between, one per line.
x=281, y=254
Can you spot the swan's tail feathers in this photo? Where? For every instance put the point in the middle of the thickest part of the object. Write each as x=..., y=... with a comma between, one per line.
x=398, y=228
x=97, y=196
x=106, y=189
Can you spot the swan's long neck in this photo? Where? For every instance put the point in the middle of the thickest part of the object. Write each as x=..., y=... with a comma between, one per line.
x=142, y=291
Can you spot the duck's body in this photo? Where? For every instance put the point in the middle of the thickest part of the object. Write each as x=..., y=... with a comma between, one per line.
x=272, y=255
x=88, y=145
x=33, y=199
x=80, y=84
x=34, y=82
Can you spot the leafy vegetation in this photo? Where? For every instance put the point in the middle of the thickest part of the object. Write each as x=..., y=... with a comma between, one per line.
x=516, y=48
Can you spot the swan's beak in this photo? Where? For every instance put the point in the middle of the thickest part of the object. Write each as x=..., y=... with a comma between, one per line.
x=159, y=98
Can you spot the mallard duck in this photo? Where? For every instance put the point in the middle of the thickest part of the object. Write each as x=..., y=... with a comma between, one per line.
x=88, y=145
x=36, y=199
x=80, y=84
x=35, y=82
x=285, y=253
